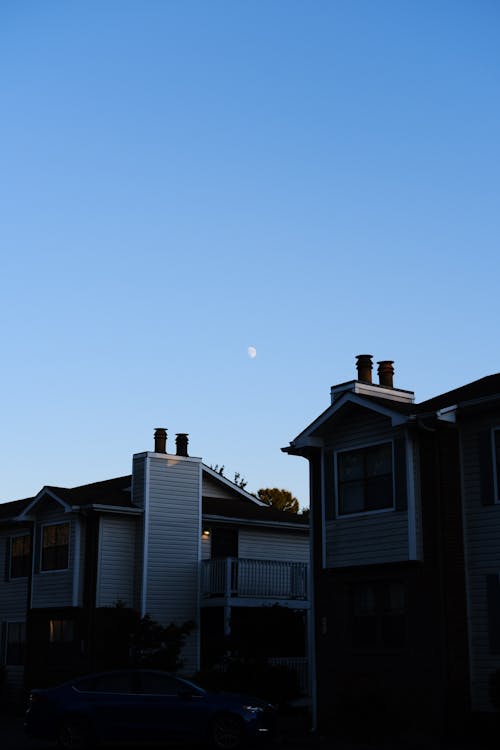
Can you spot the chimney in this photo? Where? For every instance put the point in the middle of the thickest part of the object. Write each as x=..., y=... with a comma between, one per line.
x=364, y=364
x=385, y=372
x=181, y=443
x=160, y=440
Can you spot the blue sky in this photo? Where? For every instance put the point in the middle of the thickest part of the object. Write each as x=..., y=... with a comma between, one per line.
x=181, y=180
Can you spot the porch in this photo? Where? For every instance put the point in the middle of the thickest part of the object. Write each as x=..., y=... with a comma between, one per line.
x=257, y=580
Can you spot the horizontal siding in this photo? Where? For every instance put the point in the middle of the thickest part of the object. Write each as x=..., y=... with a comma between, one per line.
x=367, y=538
x=117, y=561
x=53, y=589
x=13, y=592
x=482, y=540
x=173, y=554
x=212, y=488
x=273, y=545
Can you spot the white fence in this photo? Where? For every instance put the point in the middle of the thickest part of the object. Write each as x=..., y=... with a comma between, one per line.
x=261, y=579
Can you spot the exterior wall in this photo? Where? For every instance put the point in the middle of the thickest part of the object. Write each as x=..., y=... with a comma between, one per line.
x=380, y=538
x=172, y=544
x=117, y=561
x=13, y=592
x=13, y=598
x=54, y=588
x=263, y=544
x=212, y=488
x=364, y=539
x=482, y=532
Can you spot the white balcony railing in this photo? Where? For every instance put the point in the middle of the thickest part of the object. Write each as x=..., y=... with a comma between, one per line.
x=260, y=579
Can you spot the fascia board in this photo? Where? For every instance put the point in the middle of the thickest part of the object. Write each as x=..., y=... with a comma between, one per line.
x=306, y=437
x=44, y=492
x=227, y=482
x=109, y=509
x=248, y=522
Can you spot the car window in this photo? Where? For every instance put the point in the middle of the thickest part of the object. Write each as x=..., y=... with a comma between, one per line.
x=155, y=683
x=116, y=682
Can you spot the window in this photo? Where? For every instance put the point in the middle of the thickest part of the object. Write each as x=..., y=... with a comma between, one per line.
x=16, y=643
x=378, y=620
x=61, y=631
x=55, y=547
x=365, y=479
x=20, y=548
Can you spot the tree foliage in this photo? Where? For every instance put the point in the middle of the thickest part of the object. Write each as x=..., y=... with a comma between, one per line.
x=279, y=499
x=238, y=480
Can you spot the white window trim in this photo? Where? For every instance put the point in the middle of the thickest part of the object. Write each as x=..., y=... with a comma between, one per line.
x=366, y=513
x=54, y=570
x=11, y=537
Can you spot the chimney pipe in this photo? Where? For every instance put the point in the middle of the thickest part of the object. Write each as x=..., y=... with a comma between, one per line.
x=181, y=443
x=160, y=440
x=386, y=372
x=364, y=364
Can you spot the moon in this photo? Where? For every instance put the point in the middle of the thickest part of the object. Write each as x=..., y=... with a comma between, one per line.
x=252, y=352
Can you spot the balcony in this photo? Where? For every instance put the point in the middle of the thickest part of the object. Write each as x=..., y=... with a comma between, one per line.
x=245, y=579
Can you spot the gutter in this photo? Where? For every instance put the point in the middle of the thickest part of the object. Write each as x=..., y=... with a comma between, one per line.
x=246, y=522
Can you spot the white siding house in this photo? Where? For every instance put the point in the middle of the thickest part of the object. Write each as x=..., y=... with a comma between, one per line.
x=137, y=543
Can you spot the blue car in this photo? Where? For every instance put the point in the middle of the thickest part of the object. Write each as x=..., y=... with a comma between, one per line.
x=143, y=705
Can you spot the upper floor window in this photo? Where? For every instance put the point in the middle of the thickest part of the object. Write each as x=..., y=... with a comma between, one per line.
x=365, y=479
x=20, y=558
x=55, y=547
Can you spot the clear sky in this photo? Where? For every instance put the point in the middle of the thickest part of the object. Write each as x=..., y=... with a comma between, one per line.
x=181, y=180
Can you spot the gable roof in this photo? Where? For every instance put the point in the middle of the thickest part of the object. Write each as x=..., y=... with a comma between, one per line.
x=234, y=503
x=484, y=389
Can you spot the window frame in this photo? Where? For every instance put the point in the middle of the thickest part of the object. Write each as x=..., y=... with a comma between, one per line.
x=365, y=511
x=42, y=531
x=21, y=535
x=380, y=615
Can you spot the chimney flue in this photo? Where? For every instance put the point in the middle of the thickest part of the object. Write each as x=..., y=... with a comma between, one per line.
x=160, y=440
x=181, y=443
x=386, y=372
x=364, y=365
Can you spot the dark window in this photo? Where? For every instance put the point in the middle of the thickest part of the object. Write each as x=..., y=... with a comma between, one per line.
x=378, y=620
x=63, y=647
x=16, y=643
x=224, y=542
x=365, y=479
x=61, y=631
x=55, y=547
x=20, y=558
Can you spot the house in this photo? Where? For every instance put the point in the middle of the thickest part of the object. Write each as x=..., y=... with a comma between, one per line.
x=405, y=514
x=174, y=540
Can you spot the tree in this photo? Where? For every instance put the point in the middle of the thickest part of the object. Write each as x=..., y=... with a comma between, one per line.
x=238, y=480
x=279, y=499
